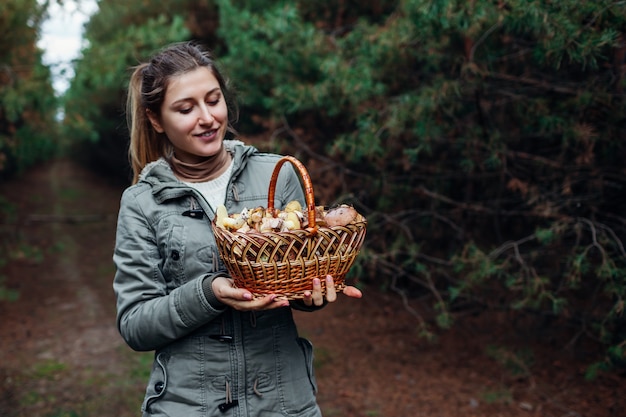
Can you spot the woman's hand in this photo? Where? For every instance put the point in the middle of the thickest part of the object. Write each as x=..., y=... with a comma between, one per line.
x=316, y=297
x=242, y=299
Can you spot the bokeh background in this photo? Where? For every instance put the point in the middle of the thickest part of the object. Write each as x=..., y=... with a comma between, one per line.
x=484, y=141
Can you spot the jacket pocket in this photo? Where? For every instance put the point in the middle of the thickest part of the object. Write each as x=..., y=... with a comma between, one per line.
x=296, y=380
x=307, y=350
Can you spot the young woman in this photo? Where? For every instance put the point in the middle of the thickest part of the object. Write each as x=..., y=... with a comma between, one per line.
x=218, y=350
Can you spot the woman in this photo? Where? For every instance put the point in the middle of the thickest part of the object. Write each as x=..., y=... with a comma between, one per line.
x=218, y=349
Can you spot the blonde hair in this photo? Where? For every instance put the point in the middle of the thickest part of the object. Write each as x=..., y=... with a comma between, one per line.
x=146, y=92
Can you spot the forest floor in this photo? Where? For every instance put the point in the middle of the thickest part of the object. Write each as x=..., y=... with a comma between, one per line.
x=61, y=355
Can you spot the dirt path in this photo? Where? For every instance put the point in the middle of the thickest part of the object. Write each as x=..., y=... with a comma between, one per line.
x=61, y=356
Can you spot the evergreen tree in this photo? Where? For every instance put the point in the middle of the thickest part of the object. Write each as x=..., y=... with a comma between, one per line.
x=482, y=139
x=27, y=101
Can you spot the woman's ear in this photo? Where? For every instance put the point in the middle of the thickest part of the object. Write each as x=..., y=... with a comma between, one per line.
x=154, y=121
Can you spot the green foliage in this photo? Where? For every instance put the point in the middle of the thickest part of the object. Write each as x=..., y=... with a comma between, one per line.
x=498, y=396
x=517, y=363
x=48, y=369
x=501, y=119
x=260, y=38
x=7, y=294
x=28, y=130
x=483, y=140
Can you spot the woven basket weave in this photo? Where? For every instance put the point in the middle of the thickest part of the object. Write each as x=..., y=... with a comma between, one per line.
x=285, y=263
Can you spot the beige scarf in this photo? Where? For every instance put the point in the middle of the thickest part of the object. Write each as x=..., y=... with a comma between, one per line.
x=209, y=169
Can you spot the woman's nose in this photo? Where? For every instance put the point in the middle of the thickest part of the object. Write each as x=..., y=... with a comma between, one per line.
x=205, y=114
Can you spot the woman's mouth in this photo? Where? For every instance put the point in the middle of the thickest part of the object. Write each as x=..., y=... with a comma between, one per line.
x=207, y=135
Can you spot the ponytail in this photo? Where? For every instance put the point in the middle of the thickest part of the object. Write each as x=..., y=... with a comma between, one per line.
x=144, y=140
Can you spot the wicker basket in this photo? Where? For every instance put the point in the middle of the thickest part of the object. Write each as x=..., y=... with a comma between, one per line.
x=285, y=263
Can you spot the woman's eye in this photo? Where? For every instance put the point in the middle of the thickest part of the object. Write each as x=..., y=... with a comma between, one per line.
x=185, y=111
x=213, y=102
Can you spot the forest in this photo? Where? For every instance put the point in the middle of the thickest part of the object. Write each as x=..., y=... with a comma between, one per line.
x=483, y=140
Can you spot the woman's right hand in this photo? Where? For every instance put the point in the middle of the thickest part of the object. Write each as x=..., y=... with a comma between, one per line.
x=241, y=299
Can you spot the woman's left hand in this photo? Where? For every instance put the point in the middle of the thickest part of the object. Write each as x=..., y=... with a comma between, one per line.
x=316, y=297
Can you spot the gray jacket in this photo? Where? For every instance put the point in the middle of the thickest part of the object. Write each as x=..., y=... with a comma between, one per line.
x=209, y=360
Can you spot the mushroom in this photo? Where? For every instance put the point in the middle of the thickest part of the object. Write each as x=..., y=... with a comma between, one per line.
x=341, y=216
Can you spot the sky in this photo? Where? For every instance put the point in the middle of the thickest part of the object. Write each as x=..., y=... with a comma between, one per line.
x=61, y=38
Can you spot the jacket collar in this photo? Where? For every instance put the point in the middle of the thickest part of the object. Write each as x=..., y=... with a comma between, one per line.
x=164, y=183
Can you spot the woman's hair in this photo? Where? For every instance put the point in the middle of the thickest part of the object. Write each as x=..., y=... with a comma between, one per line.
x=146, y=91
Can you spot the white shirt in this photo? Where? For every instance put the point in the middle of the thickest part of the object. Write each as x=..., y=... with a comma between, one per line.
x=214, y=191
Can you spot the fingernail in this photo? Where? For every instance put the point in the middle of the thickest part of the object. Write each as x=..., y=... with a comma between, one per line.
x=247, y=296
x=316, y=281
x=329, y=279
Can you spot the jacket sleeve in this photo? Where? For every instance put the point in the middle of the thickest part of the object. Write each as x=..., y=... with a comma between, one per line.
x=299, y=305
x=148, y=316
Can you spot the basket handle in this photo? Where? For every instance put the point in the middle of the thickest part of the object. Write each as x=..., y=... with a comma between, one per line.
x=308, y=189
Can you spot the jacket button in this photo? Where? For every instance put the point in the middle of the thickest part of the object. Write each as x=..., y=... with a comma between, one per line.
x=158, y=387
x=175, y=255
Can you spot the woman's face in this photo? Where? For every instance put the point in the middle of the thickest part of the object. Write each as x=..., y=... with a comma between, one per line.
x=194, y=115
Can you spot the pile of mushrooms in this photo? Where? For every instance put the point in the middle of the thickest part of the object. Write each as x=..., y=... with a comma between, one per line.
x=290, y=218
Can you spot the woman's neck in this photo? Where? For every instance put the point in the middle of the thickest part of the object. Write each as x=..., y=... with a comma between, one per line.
x=208, y=169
